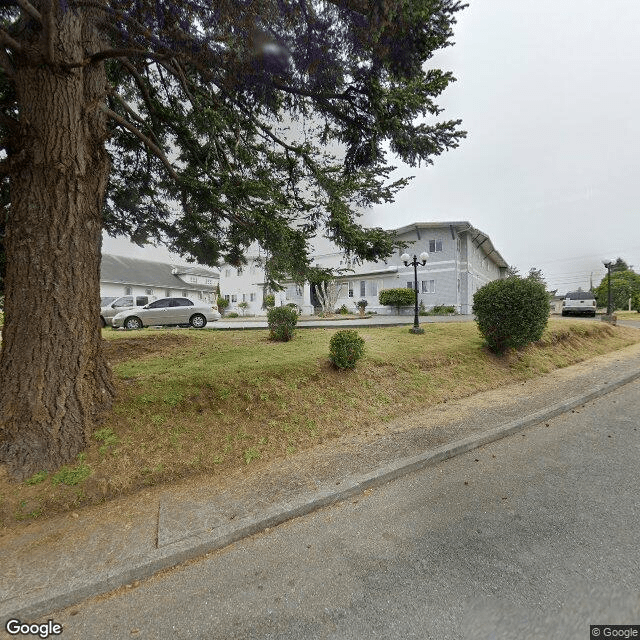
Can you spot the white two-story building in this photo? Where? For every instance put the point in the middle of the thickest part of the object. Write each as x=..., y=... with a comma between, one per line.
x=461, y=260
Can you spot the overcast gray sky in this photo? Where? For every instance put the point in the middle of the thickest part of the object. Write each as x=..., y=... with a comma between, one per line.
x=549, y=93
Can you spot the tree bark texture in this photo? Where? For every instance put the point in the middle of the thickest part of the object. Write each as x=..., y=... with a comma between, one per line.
x=54, y=380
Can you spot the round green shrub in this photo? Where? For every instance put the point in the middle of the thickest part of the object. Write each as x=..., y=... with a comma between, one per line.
x=511, y=313
x=282, y=323
x=269, y=301
x=346, y=347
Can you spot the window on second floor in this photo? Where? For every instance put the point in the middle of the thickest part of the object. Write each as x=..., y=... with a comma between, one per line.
x=234, y=297
x=435, y=245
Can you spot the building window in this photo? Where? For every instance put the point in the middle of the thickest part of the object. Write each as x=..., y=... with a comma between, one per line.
x=234, y=297
x=435, y=245
x=185, y=294
x=410, y=285
x=193, y=279
x=239, y=271
x=226, y=298
x=149, y=292
x=209, y=281
x=373, y=288
x=458, y=285
x=428, y=286
x=167, y=293
x=127, y=291
x=350, y=285
x=252, y=297
x=363, y=292
x=459, y=245
x=244, y=297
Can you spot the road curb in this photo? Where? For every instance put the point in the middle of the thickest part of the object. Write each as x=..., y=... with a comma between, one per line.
x=204, y=542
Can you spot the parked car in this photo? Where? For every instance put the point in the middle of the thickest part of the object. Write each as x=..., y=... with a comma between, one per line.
x=579, y=303
x=115, y=305
x=167, y=311
x=107, y=300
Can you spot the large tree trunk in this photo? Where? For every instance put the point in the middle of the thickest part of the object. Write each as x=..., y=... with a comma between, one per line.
x=53, y=377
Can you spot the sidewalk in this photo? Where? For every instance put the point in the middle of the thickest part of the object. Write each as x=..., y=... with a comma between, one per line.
x=56, y=563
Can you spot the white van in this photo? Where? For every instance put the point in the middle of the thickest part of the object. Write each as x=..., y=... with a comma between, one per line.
x=579, y=303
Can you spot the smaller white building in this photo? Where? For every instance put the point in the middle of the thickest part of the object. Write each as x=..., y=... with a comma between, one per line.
x=461, y=260
x=123, y=276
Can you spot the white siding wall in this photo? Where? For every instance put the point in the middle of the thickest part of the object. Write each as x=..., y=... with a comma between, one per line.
x=455, y=266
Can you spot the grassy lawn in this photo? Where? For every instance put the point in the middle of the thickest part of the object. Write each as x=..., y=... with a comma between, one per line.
x=213, y=402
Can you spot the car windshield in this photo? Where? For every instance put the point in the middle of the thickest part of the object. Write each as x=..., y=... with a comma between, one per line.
x=106, y=300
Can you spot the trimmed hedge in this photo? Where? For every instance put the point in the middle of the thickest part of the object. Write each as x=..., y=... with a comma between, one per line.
x=282, y=323
x=511, y=313
x=346, y=347
x=397, y=298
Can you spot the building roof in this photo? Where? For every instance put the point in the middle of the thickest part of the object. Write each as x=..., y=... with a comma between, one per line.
x=124, y=270
x=482, y=239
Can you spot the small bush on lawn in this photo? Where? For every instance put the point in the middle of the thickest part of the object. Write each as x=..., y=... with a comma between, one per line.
x=343, y=310
x=361, y=305
x=346, y=347
x=233, y=314
x=511, y=313
x=282, y=323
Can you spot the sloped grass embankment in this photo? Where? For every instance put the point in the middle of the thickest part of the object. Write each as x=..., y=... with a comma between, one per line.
x=215, y=402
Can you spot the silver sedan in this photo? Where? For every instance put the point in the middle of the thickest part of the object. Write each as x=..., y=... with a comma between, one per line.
x=167, y=311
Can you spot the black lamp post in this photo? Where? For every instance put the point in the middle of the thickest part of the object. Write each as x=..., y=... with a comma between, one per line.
x=406, y=258
x=608, y=264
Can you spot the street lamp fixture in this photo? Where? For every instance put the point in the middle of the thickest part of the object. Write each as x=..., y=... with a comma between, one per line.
x=608, y=264
x=421, y=259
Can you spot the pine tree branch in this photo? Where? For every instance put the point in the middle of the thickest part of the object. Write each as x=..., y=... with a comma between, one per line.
x=9, y=42
x=144, y=90
x=28, y=8
x=154, y=148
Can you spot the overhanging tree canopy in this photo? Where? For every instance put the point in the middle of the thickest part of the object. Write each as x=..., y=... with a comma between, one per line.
x=166, y=121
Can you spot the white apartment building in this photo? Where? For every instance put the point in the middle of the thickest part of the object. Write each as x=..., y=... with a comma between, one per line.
x=461, y=260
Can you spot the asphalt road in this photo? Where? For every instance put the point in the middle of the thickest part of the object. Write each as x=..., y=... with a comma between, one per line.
x=533, y=537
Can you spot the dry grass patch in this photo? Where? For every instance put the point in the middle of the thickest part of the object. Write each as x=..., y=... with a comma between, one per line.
x=214, y=402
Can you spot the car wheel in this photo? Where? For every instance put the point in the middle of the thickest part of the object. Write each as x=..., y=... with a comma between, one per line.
x=133, y=323
x=197, y=321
